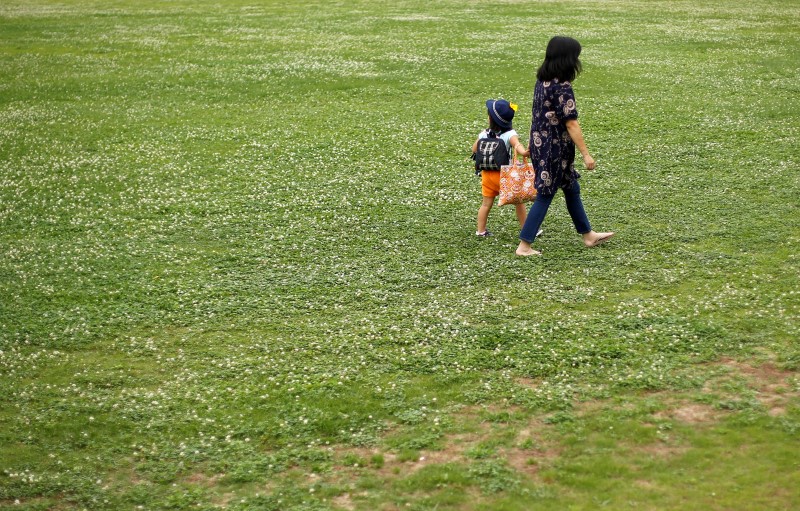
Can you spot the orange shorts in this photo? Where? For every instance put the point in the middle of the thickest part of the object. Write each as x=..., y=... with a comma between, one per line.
x=490, y=183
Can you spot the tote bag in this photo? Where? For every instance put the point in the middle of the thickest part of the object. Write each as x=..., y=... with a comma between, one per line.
x=517, y=182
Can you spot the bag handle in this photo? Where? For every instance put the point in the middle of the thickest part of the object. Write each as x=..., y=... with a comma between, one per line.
x=514, y=159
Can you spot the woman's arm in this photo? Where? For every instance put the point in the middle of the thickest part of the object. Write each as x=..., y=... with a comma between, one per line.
x=576, y=135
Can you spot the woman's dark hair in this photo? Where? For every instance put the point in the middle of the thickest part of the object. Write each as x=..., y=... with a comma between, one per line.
x=560, y=60
x=496, y=127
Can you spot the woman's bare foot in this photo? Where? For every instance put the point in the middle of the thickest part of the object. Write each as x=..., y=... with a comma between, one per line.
x=525, y=250
x=592, y=239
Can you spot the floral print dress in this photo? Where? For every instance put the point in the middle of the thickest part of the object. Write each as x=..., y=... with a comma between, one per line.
x=552, y=149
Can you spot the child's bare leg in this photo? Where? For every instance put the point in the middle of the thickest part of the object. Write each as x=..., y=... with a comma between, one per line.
x=522, y=214
x=483, y=213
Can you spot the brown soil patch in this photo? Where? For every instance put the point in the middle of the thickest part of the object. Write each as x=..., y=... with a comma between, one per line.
x=392, y=466
x=661, y=450
x=771, y=383
x=203, y=479
x=528, y=382
x=695, y=414
x=427, y=458
x=530, y=450
x=523, y=463
x=691, y=413
x=455, y=446
x=364, y=453
x=528, y=461
x=766, y=372
x=225, y=499
x=525, y=460
x=776, y=411
x=645, y=485
x=344, y=501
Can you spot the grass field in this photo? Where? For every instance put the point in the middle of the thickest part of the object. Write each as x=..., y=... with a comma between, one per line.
x=238, y=268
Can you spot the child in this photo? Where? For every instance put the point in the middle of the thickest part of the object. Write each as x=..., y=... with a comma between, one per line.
x=501, y=113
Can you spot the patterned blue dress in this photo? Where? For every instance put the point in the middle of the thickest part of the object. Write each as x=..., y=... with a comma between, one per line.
x=552, y=149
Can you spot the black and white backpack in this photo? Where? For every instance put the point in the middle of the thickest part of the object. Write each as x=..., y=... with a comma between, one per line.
x=492, y=153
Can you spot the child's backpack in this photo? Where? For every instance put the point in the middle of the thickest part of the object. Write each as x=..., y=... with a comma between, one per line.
x=492, y=153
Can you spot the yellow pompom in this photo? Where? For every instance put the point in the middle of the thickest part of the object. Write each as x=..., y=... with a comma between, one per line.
x=513, y=106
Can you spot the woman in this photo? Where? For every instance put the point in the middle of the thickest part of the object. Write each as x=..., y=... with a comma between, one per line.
x=555, y=133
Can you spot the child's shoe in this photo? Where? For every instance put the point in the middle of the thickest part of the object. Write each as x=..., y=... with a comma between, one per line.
x=485, y=233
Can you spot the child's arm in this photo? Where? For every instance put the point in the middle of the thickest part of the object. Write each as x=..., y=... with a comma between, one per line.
x=517, y=146
x=475, y=146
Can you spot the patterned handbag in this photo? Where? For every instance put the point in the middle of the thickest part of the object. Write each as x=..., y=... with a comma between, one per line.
x=517, y=182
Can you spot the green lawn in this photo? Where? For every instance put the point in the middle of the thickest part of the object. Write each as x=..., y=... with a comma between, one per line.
x=238, y=268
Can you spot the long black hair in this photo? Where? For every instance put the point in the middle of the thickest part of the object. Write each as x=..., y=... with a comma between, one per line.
x=560, y=60
x=496, y=127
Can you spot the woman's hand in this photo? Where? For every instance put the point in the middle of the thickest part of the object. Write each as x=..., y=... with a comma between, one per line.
x=588, y=161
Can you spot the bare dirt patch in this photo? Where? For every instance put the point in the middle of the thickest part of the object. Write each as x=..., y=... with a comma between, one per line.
x=203, y=479
x=528, y=461
x=695, y=413
x=590, y=407
x=522, y=441
x=766, y=372
x=773, y=385
x=690, y=413
x=662, y=450
x=527, y=453
x=442, y=457
x=532, y=450
x=529, y=382
x=344, y=501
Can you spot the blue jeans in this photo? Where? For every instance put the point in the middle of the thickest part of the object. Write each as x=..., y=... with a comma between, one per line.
x=542, y=203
